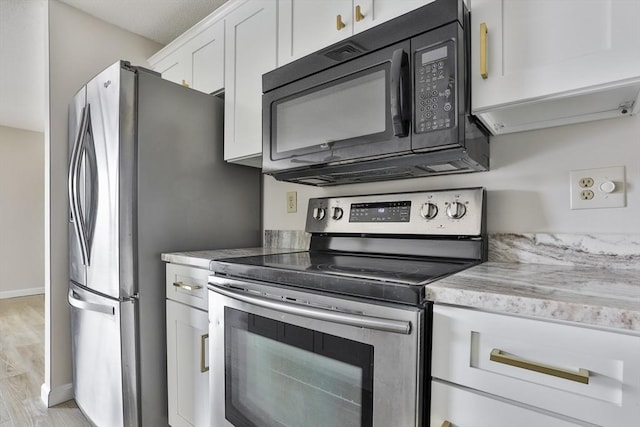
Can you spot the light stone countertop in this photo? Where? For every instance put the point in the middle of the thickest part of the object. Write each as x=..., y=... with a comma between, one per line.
x=589, y=279
x=602, y=297
x=202, y=259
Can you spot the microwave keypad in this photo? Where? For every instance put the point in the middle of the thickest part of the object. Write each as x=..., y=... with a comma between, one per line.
x=434, y=89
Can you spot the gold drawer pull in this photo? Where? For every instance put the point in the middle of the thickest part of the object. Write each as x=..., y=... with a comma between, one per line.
x=184, y=83
x=359, y=15
x=446, y=424
x=186, y=286
x=203, y=362
x=339, y=24
x=582, y=376
x=483, y=51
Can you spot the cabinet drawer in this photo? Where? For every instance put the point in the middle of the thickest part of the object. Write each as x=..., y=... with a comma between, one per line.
x=187, y=285
x=540, y=363
x=466, y=408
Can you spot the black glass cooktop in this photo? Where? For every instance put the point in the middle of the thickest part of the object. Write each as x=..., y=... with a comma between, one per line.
x=399, y=279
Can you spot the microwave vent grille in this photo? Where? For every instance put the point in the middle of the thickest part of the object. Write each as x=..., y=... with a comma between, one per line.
x=343, y=51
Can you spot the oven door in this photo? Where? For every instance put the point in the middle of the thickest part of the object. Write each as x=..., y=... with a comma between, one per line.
x=287, y=358
x=353, y=111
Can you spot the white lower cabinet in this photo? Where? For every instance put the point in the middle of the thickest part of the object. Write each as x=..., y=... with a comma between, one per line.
x=579, y=375
x=187, y=347
x=462, y=407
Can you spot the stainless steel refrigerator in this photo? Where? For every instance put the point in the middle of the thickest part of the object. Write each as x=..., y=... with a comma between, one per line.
x=146, y=176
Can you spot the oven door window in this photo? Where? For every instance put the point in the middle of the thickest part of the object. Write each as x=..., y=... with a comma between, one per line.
x=278, y=374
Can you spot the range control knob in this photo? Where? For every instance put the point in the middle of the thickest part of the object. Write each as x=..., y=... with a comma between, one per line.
x=456, y=210
x=318, y=213
x=429, y=210
x=337, y=213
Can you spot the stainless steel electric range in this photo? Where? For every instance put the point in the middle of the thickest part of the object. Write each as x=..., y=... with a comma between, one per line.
x=340, y=334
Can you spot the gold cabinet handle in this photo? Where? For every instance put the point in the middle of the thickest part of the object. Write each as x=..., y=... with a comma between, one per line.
x=339, y=24
x=483, y=51
x=446, y=424
x=581, y=376
x=203, y=362
x=184, y=83
x=359, y=15
x=186, y=286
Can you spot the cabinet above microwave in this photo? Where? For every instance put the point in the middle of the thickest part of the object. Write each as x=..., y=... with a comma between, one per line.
x=534, y=65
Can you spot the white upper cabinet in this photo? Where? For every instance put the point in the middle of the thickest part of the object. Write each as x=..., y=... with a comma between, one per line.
x=196, y=59
x=553, y=62
x=250, y=52
x=308, y=25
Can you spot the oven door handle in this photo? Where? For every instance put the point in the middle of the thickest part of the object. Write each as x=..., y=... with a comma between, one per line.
x=358, y=320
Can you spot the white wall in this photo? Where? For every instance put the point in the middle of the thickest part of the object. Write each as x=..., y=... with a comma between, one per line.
x=79, y=47
x=527, y=186
x=21, y=212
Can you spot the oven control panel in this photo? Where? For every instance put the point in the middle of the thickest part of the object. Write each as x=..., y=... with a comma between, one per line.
x=440, y=212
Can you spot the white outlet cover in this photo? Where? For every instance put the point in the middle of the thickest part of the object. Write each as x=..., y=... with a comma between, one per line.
x=602, y=183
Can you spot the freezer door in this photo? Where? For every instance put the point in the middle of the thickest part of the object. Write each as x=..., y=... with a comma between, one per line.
x=76, y=182
x=104, y=356
x=110, y=182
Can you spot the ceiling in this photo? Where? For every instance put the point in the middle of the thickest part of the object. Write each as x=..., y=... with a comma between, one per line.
x=22, y=41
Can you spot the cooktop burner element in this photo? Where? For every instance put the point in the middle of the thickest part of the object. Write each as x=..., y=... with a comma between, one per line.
x=384, y=247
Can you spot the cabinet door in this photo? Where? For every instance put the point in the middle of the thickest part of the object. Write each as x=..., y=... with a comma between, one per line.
x=250, y=52
x=305, y=26
x=540, y=48
x=375, y=12
x=586, y=374
x=172, y=68
x=187, y=365
x=463, y=407
x=205, y=59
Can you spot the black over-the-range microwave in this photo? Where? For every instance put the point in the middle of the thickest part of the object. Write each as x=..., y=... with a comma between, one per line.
x=391, y=102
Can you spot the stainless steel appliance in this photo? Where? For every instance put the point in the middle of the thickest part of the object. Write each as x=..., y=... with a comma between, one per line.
x=388, y=103
x=340, y=334
x=146, y=176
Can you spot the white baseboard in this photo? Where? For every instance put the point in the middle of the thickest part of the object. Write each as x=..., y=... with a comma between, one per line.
x=21, y=293
x=56, y=396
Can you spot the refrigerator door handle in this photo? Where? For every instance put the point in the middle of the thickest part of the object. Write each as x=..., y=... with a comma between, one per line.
x=85, y=305
x=74, y=185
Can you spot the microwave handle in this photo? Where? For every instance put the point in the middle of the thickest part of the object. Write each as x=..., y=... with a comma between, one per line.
x=399, y=92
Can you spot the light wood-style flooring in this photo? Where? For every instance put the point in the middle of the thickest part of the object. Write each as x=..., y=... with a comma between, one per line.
x=22, y=368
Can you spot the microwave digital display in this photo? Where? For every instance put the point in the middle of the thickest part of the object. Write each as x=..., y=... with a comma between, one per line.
x=434, y=55
x=380, y=212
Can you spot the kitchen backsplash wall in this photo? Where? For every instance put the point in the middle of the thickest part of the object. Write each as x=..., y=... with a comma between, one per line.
x=527, y=186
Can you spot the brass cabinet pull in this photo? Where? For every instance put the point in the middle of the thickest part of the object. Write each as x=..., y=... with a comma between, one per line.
x=446, y=424
x=203, y=362
x=582, y=376
x=359, y=15
x=186, y=286
x=184, y=83
x=339, y=24
x=483, y=51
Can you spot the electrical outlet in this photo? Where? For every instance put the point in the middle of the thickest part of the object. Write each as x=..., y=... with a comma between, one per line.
x=292, y=202
x=598, y=188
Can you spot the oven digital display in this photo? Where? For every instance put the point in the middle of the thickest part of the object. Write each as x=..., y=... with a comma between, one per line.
x=380, y=212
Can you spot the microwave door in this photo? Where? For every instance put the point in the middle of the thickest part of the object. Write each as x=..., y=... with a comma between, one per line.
x=353, y=111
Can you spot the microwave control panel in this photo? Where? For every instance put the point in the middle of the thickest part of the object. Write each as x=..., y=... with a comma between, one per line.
x=435, y=90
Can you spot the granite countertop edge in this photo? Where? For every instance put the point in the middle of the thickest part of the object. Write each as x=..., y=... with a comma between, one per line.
x=598, y=297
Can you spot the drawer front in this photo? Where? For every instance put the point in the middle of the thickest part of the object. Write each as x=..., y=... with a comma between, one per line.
x=188, y=285
x=466, y=408
x=540, y=363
